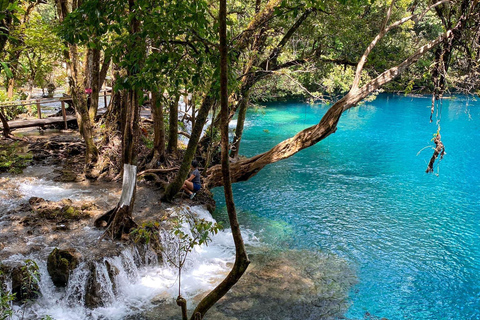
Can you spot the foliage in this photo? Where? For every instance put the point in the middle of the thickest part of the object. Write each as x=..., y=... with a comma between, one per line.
x=146, y=232
x=182, y=239
x=6, y=299
x=31, y=276
x=34, y=51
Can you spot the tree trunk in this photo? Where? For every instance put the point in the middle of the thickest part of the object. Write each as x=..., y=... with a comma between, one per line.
x=245, y=169
x=78, y=96
x=94, y=84
x=158, y=130
x=242, y=112
x=177, y=183
x=6, y=127
x=241, y=257
x=119, y=221
x=173, y=125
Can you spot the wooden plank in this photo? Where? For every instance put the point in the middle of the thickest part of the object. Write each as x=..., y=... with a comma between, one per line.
x=39, y=122
x=64, y=114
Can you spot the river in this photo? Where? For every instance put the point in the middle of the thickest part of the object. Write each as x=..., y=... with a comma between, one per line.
x=363, y=194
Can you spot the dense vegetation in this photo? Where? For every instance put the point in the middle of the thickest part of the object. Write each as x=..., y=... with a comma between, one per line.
x=159, y=52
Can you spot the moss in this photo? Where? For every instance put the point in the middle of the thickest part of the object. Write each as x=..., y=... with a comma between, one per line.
x=60, y=264
x=12, y=160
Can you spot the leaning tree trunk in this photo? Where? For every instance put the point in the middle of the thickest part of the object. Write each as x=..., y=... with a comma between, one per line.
x=241, y=257
x=245, y=169
x=242, y=112
x=177, y=183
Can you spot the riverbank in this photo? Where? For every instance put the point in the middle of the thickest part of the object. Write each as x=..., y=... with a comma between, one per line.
x=52, y=206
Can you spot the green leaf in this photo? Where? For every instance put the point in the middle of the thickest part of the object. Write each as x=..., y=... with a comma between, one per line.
x=7, y=70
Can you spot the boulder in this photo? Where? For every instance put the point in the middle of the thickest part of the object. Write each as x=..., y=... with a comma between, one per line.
x=60, y=265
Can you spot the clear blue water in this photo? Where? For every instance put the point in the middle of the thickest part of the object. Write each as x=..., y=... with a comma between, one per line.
x=363, y=194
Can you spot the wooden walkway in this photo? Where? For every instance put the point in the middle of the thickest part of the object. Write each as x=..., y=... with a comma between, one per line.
x=40, y=122
x=17, y=124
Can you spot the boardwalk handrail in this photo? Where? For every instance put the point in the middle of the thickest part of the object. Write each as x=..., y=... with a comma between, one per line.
x=39, y=102
x=20, y=103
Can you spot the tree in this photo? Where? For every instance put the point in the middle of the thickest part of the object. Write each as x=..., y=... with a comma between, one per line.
x=241, y=258
x=77, y=88
x=245, y=169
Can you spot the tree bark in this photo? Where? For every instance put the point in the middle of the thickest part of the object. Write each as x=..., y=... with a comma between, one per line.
x=6, y=127
x=78, y=95
x=242, y=112
x=94, y=84
x=158, y=129
x=11, y=87
x=241, y=258
x=173, y=125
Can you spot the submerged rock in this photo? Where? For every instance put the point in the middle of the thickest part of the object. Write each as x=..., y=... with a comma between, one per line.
x=60, y=265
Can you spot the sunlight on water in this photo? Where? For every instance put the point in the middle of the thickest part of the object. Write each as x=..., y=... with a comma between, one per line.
x=363, y=194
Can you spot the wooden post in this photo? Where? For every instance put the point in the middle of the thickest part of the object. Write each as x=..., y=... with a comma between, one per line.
x=39, y=109
x=105, y=98
x=64, y=113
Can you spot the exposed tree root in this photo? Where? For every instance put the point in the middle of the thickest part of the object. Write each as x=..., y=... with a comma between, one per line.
x=118, y=223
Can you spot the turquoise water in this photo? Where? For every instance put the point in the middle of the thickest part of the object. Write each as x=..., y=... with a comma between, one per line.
x=412, y=237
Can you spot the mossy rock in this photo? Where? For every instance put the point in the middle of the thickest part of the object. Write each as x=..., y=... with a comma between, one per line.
x=59, y=211
x=60, y=265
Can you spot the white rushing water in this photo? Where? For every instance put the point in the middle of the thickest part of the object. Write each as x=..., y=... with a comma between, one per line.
x=138, y=283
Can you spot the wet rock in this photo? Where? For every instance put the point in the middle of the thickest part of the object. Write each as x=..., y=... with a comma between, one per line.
x=60, y=265
x=25, y=280
x=35, y=201
x=59, y=211
x=112, y=273
x=93, y=294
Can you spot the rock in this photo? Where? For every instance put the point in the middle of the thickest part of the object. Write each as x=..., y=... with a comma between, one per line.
x=112, y=273
x=35, y=201
x=60, y=265
x=93, y=296
x=25, y=280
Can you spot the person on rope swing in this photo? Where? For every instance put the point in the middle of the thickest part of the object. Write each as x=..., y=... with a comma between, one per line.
x=193, y=184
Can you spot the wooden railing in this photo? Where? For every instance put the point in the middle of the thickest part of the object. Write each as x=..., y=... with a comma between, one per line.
x=43, y=101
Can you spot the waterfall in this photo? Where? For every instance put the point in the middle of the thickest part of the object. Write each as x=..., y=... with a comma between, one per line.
x=126, y=284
